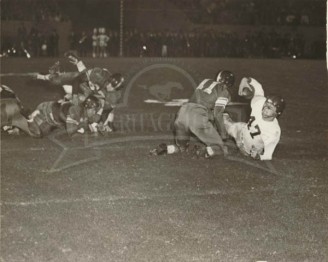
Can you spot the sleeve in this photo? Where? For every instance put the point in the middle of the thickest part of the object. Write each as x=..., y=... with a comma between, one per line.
x=223, y=99
x=108, y=116
x=222, y=102
x=269, y=147
x=258, y=91
x=218, y=114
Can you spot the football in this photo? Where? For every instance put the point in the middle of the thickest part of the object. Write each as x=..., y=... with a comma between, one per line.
x=247, y=93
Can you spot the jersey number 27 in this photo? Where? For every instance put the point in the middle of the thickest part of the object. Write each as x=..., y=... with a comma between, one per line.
x=257, y=128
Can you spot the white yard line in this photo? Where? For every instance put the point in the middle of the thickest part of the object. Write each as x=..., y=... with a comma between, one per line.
x=159, y=196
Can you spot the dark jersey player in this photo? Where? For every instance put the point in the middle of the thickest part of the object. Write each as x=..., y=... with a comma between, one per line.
x=13, y=115
x=96, y=81
x=74, y=118
x=202, y=117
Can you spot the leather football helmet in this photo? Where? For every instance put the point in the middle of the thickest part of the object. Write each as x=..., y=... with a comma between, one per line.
x=116, y=80
x=226, y=77
x=91, y=102
x=278, y=102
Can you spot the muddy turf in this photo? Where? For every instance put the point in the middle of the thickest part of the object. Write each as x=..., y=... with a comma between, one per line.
x=105, y=199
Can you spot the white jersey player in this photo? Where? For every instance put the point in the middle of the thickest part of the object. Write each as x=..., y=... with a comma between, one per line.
x=259, y=137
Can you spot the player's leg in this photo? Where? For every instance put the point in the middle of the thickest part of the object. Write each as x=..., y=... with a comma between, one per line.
x=106, y=124
x=204, y=130
x=5, y=114
x=21, y=122
x=59, y=79
x=11, y=118
x=251, y=145
x=233, y=128
x=56, y=77
x=240, y=133
x=181, y=135
x=9, y=109
x=212, y=139
x=181, y=128
x=38, y=125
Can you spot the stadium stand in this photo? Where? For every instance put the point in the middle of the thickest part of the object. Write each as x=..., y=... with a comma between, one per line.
x=185, y=28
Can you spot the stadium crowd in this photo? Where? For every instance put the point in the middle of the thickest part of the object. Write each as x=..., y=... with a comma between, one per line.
x=266, y=42
x=263, y=43
x=255, y=12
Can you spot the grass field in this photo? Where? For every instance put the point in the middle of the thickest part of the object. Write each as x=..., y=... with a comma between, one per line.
x=105, y=199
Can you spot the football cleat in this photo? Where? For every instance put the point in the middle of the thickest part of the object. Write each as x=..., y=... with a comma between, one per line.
x=200, y=151
x=14, y=131
x=11, y=130
x=159, y=150
x=208, y=153
x=106, y=129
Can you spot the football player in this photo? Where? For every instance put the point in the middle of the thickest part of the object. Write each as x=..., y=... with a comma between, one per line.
x=96, y=81
x=105, y=86
x=86, y=81
x=74, y=118
x=259, y=137
x=202, y=117
x=13, y=115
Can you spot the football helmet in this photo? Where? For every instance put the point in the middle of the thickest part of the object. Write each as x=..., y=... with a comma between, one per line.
x=226, y=77
x=99, y=76
x=91, y=102
x=116, y=80
x=278, y=102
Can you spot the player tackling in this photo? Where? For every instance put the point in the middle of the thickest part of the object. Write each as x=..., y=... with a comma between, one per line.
x=202, y=117
x=96, y=81
x=259, y=137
